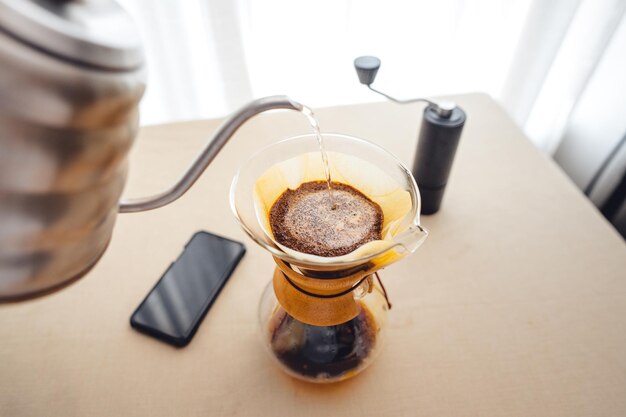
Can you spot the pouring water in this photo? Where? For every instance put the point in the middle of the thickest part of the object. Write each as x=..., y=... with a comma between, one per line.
x=308, y=113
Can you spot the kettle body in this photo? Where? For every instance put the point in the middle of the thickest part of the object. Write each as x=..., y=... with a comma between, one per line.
x=65, y=131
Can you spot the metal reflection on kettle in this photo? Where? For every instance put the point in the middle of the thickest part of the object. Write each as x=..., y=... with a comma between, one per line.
x=72, y=76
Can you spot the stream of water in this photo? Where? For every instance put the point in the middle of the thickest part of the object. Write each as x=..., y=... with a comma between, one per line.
x=308, y=113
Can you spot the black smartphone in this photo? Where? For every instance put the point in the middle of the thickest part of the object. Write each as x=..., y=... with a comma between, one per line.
x=175, y=307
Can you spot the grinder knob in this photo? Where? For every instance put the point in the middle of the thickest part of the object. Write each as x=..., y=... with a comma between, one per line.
x=366, y=68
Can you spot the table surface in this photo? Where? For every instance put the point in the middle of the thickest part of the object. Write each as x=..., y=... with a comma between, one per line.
x=514, y=306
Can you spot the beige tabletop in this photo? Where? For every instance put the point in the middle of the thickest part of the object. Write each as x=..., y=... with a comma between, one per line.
x=514, y=306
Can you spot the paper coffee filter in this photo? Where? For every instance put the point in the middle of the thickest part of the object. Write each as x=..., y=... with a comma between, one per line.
x=366, y=177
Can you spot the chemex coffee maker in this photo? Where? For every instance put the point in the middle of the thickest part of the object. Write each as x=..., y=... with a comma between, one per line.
x=73, y=73
x=323, y=318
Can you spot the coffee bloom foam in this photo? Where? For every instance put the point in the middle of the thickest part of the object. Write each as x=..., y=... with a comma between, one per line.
x=394, y=200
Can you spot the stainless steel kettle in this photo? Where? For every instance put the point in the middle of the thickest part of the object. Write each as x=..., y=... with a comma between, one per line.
x=72, y=74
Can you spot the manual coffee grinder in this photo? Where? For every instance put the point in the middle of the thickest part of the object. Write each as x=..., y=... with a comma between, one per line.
x=442, y=124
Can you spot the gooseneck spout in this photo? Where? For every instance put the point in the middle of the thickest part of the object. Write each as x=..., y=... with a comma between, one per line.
x=223, y=134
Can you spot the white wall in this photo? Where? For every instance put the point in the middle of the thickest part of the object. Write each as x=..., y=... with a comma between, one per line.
x=206, y=57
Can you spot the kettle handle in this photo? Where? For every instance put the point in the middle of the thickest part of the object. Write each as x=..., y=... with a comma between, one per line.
x=202, y=161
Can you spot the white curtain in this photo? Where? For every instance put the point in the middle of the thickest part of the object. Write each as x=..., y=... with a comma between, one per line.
x=207, y=57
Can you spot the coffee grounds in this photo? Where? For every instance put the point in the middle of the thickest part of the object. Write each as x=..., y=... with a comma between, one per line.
x=306, y=220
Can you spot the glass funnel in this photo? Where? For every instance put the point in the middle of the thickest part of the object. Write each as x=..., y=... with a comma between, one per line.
x=322, y=317
x=243, y=203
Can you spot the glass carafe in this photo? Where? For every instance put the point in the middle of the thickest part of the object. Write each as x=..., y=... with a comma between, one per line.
x=323, y=319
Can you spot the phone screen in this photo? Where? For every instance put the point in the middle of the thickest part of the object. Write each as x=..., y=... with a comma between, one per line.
x=178, y=302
